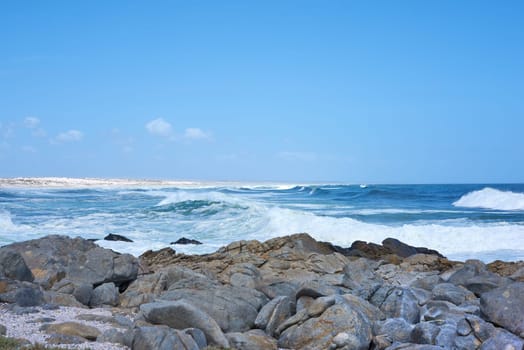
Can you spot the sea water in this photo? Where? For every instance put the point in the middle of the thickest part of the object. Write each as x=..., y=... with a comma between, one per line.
x=484, y=221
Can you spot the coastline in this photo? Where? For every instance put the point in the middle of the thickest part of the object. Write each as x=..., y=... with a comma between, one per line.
x=277, y=294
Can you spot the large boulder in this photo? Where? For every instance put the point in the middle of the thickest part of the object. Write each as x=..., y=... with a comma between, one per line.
x=329, y=321
x=13, y=266
x=274, y=313
x=105, y=294
x=53, y=258
x=504, y=306
x=234, y=308
x=73, y=329
x=180, y=315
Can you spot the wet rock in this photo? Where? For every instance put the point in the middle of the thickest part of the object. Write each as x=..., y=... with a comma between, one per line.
x=105, y=294
x=115, y=237
x=180, y=315
x=504, y=306
x=13, y=266
x=185, y=240
x=404, y=250
x=251, y=340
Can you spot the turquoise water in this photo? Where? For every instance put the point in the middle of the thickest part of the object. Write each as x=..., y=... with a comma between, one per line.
x=461, y=221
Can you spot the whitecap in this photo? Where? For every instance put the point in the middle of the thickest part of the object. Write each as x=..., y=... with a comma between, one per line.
x=490, y=198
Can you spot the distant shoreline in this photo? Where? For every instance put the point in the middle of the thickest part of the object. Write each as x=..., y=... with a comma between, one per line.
x=66, y=182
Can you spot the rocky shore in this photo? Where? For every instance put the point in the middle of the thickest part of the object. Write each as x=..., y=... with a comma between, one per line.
x=286, y=293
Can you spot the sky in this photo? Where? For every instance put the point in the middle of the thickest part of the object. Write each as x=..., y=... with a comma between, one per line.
x=294, y=91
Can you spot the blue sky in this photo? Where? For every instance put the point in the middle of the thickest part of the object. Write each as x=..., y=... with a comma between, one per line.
x=347, y=91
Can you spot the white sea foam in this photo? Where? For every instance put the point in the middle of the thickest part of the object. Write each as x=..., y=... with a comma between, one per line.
x=452, y=240
x=490, y=198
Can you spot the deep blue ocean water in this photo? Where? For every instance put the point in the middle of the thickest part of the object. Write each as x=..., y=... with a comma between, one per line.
x=484, y=221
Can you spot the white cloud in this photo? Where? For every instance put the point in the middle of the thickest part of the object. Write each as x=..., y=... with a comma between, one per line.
x=301, y=156
x=68, y=136
x=7, y=130
x=31, y=122
x=196, y=134
x=159, y=127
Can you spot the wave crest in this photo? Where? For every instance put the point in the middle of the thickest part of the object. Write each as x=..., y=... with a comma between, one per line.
x=490, y=198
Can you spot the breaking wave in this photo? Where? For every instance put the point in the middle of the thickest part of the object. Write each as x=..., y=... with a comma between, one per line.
x=490, y=198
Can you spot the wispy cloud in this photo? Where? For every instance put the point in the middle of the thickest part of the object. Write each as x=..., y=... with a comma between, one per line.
x=33, y=124
x=68, y=136
x=159, y=127
x=7, y=130
x=300, y=156
x=196, y=134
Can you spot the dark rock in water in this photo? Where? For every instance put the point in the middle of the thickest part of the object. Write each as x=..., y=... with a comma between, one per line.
x=404, y=250
x=13, y=266
x=505, y=306
x=115, y=237
x=185, y=240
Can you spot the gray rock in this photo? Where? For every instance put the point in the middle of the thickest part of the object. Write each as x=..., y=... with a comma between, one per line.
x=404, y=250
x=180, y=315
x=80, y=290
x=396, y=329
x=315, y=289
x=400, y=302
x=425, y=333
x=273, y=314
x=450, y=292
x=319, y=330
x=162, y=338
x=59, y=339
x=28, y=296
x=504, y=306
x=469, y=342
x=3, y=329
x=53, y=258
x=234, y=308
x=475, y=277
x=503, y=340
x=72, y=329
x=13, y=266
x=105, y=294
x=116, y=337
x=360, y=277
x=427, y=282
x=198, y=336
x=482, y=330
x=409, y=346
x=254, y=339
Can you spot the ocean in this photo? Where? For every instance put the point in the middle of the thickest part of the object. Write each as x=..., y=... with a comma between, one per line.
x=478, y=221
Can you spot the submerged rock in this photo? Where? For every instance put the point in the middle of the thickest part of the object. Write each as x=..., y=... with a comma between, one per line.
x=185, y=240
x=115, y=237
